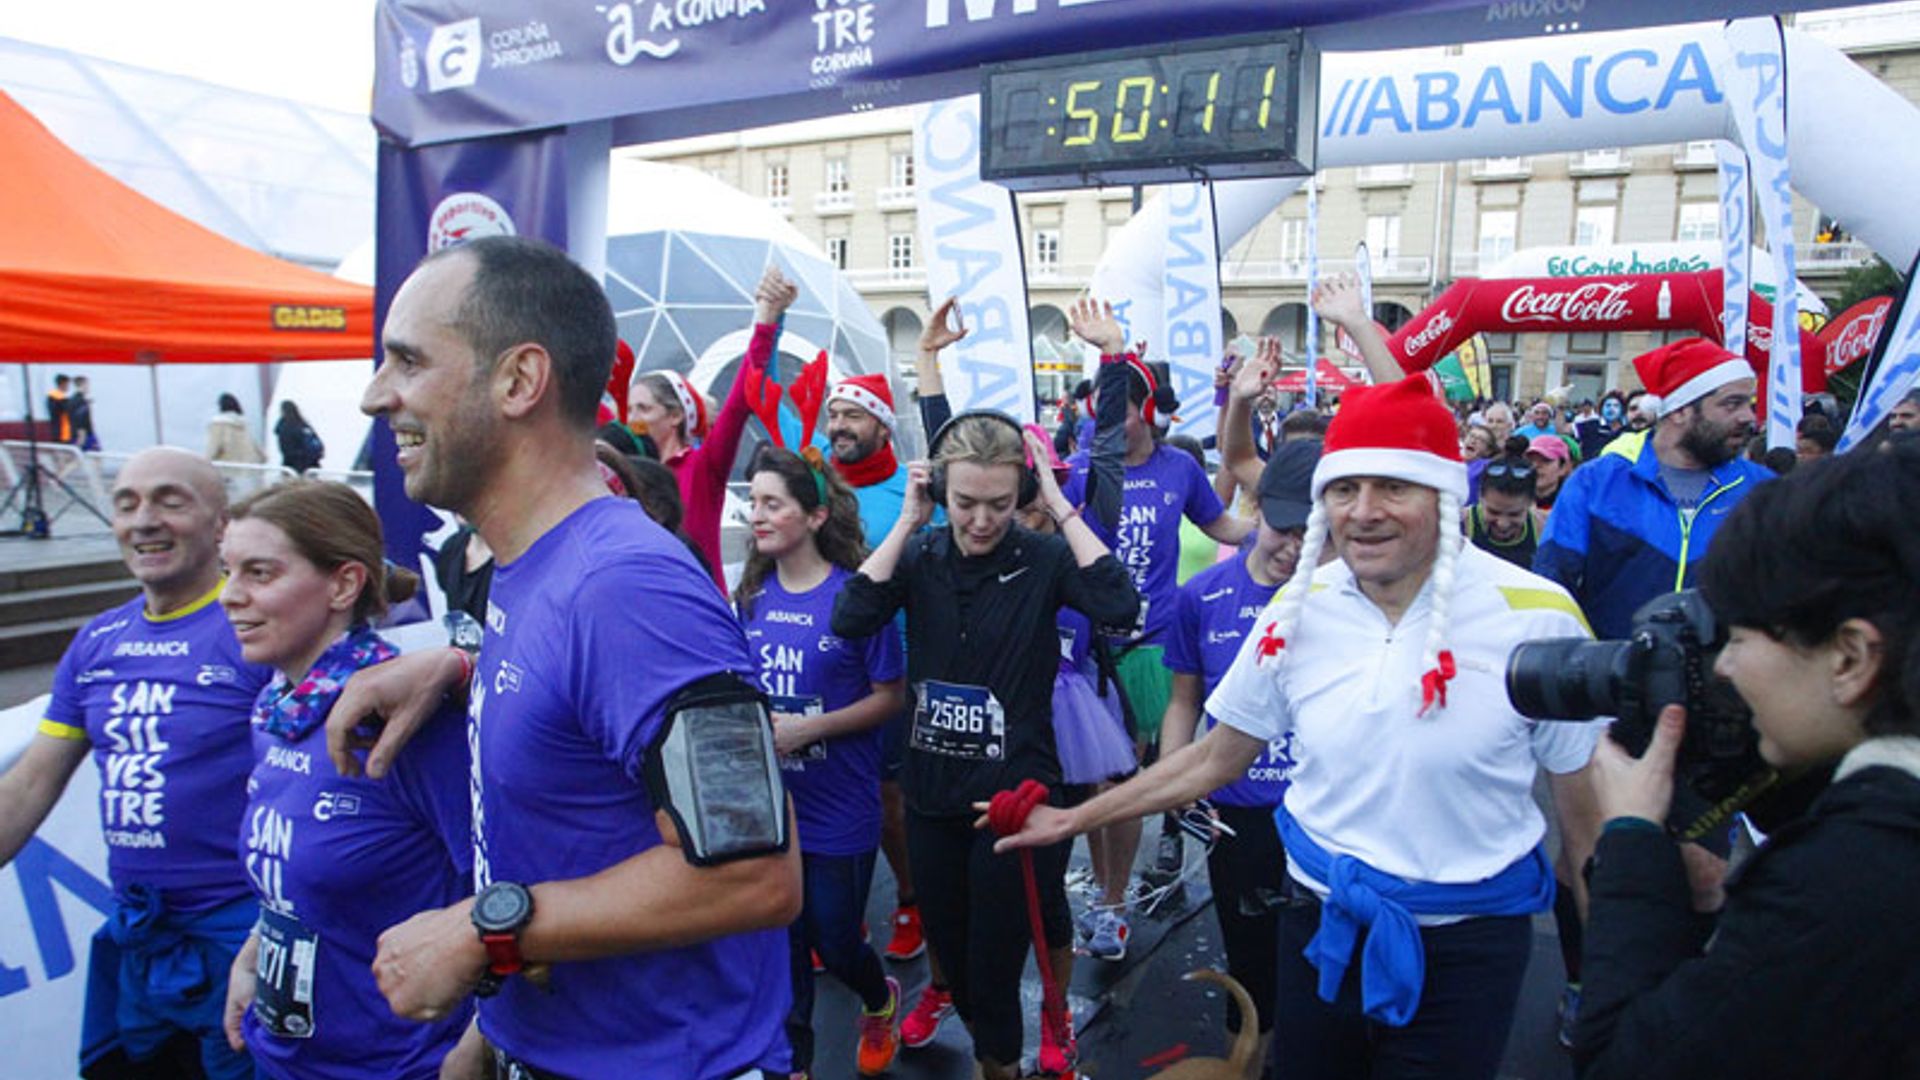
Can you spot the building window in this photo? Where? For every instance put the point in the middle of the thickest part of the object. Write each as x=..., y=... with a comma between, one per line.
x=1593, y=226
x=837, y=251
x=1587, y=342
x=837, y=175
x=1699, y=221
x=1383, y=237
x=1046, y=250
x=900, y=252
x=902, y=171
x=1498, y=231
x=1504, y=343
x=1293, y=239
x=777, y=187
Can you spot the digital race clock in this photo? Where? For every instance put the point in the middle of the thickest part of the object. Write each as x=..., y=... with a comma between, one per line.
x=1214, y=109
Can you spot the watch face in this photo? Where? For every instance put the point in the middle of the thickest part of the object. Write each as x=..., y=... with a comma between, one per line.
x=502, y=906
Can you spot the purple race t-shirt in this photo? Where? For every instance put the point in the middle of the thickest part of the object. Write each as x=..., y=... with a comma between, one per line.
x=835, y=783
x=1216, y=609
x=335, y=862
x=1157, y=493
x=590, y=632
x=165, y=702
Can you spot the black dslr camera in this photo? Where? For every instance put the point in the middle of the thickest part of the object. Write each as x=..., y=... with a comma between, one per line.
x=1667, y=660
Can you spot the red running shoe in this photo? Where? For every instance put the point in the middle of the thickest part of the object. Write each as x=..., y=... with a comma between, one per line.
x=908, y=940
x=923, y=1023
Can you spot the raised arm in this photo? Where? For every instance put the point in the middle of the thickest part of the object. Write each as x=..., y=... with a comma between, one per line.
x=1237, y=454
x=1337, y=300
x=771, y=299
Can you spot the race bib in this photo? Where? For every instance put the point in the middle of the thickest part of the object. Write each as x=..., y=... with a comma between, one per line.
x=283, y=995
x=799, y=706
x=959, y=721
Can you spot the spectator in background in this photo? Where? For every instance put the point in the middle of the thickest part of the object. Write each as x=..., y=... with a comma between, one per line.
x=58, y=415
x=1539, y=421
x=300, y=446
x=676, y=414
x=1499, y=420
x=1551, y=464
x=1611, y=421
x=228, y=438
x=1503, y=520
x=1906, y=415
x=1478, y=448
x=80, y=411
x=1815, y=437
x=1780, y=459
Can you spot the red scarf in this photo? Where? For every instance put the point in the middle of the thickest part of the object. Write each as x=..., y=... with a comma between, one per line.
x=870, y=470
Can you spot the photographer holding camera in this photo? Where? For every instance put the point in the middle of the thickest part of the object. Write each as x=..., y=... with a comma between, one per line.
x=1813, y=966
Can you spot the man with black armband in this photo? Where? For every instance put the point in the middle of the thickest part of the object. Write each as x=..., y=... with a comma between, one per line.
x=633, y=855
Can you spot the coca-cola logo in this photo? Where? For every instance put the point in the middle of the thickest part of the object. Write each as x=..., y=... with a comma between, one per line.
x=1594, y=302
x=1435, y=329
x=1760, y=337
x=1856, y=339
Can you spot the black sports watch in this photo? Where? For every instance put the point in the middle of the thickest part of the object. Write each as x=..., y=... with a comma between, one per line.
x=500, y=912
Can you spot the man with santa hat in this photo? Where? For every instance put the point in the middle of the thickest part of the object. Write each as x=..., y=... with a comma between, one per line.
x=1634, y=522
x=1413, y=844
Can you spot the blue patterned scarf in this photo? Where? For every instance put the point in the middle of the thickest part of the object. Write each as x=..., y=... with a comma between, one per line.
x=292, y=710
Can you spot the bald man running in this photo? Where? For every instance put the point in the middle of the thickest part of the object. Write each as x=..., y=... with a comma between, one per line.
x=156, y=691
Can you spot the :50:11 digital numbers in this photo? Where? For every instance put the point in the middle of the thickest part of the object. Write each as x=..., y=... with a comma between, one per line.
x=1136, y=106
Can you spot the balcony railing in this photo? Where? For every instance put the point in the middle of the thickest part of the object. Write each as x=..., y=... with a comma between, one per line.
x=1599, y=163
x=897, y=197
x=1698, y=154
x=913, y=277
x=1379, y=176
x=1503, y=168
x=833, y=202
x=781, y=203
x=1832, y=257
x=1385, y=267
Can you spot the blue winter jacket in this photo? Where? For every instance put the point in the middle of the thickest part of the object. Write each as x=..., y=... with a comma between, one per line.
x=1617, y=538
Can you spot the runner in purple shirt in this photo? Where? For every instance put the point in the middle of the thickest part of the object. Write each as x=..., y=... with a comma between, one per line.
x=633, y=854
x=831, y=698
x=335, y=860
x=156, y=690
x=1216, y=610
x=1161, y=486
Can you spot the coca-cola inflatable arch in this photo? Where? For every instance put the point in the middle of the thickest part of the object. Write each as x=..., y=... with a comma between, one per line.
x=1689, y=303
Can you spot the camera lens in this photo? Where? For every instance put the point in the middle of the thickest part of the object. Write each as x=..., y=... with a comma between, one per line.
x=1568, y=678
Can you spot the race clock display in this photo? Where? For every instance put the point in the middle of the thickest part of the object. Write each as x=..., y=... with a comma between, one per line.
x=1216, y=109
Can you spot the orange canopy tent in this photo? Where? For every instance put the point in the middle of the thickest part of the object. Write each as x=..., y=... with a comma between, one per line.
x=92, y=271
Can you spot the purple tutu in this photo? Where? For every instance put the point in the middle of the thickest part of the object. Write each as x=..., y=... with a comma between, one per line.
x=1089, y=731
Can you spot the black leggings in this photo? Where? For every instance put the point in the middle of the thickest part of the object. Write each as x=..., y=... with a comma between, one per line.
x=1248, y=872
x=974, y=907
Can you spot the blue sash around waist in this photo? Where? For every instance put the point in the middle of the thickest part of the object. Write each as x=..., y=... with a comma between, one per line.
x=1393, y=965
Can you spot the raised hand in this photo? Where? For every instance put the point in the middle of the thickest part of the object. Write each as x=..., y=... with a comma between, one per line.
x=944, y=327
x=1093, y=322
x=774, y=295
x=1337, y=300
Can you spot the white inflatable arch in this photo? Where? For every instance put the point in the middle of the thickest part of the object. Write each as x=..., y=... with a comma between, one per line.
x=1853, y=142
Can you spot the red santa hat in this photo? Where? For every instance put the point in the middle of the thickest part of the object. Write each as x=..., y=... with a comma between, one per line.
x=1401, y=431
x=871, y=393
x=1398, y=430
x=1682, y=373
x=693, y=404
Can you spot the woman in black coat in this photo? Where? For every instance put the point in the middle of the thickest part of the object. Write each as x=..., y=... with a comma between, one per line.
x=1812, y=966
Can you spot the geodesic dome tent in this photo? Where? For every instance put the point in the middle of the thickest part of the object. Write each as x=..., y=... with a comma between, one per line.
x=684, y=253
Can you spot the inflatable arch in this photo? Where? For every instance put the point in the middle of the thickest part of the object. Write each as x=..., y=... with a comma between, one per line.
x=1548, y=95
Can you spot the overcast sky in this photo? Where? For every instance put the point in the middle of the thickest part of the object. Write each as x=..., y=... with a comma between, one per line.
x=316, y=51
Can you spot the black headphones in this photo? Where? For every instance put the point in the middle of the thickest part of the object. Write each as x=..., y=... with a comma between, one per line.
x=937, y=482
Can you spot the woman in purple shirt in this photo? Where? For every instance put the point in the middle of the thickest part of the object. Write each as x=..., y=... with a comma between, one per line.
x=334, y=860
x=830, y=698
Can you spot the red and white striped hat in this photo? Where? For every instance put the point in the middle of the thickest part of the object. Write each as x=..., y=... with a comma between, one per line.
x=871, y=393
